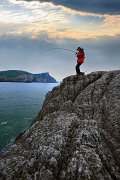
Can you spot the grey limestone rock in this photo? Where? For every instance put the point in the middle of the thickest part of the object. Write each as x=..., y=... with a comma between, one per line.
x=76, y=135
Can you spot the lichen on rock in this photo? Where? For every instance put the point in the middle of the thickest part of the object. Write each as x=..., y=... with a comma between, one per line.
x=75, y=136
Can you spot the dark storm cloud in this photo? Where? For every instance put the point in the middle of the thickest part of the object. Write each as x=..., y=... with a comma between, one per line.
x=93, y=6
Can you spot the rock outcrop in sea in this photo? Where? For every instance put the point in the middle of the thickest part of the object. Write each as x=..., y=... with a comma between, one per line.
x=76, y=135
x=23, y=76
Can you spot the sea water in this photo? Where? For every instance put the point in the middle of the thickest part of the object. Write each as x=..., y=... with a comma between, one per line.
x=19, y=105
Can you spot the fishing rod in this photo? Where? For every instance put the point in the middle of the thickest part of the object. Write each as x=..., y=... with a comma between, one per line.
x=64, y=49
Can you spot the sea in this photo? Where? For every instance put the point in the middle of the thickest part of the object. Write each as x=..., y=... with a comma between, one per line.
x=19, y=105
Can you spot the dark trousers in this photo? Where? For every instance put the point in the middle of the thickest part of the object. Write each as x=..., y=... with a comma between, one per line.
x=78, y=67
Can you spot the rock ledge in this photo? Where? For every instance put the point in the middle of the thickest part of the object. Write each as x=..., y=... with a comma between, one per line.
x=76, y=135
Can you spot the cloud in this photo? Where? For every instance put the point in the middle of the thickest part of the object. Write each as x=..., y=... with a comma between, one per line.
x=29, y=29
x=56, y=21
x=32, y=54
x=93, y=6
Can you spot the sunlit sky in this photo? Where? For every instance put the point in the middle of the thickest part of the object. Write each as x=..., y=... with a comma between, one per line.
x=29, y=28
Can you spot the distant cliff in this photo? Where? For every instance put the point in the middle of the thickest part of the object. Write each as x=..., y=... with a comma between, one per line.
x=23, y=76
x=76, y=135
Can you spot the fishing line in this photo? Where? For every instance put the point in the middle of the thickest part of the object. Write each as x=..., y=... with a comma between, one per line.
x=64, y=49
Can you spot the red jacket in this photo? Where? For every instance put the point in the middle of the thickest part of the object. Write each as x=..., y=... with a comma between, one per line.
x=81, y=56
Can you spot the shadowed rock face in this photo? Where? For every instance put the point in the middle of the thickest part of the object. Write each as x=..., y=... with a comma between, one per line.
x=76, y=135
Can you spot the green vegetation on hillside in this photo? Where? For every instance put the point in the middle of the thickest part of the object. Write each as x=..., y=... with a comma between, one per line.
x=23, y=76
x=12, y=73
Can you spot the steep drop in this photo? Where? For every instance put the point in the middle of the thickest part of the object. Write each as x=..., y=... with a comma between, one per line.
x=75, y=136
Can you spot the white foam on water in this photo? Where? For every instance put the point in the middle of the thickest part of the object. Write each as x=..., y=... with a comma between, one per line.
x=3, y=123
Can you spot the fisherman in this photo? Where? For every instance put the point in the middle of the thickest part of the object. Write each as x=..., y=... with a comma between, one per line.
x=80, y=59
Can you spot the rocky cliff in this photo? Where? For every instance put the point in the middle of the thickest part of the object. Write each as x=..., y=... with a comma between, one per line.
x=23, y=76
x=76, y=135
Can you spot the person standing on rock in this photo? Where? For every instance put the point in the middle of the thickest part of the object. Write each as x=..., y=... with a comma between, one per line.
x=80, y=59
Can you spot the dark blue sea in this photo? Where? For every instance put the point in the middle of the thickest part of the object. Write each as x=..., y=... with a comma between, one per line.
x=19, y=105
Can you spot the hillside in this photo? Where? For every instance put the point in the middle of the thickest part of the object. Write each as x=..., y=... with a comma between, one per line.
x=76, y=135
x=23, y=76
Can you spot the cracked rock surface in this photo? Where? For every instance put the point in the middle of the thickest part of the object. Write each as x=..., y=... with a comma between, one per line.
x=76, y=135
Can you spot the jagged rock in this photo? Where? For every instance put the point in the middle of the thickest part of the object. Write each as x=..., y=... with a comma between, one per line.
x=75, y=136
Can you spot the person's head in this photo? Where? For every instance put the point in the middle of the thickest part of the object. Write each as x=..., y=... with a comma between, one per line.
x=79, y=49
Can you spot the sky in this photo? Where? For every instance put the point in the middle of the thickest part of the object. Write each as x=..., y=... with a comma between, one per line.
x=30, y=29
